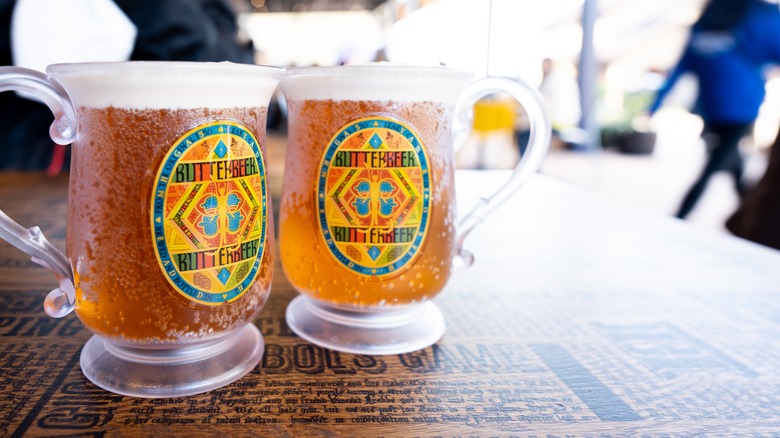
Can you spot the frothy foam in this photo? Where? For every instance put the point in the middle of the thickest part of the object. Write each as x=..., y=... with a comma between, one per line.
x=175, y=85
x=376, y=82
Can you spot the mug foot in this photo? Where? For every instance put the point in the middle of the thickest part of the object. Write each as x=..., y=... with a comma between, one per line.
x=372, y=333
x=172, y=372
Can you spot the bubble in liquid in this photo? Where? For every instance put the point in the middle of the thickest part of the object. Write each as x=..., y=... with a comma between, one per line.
x=382, y=303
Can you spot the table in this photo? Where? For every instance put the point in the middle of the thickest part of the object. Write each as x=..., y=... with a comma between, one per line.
x=580, y=317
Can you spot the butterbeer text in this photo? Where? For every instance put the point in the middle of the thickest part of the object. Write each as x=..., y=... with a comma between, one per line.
x=374, y=235
x=193, y=261
x=215, y=170
x=374, y=159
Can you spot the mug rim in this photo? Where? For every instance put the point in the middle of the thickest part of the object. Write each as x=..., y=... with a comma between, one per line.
x=378, y=81
x=380, y=70
x=165, y=84
x=169, y=67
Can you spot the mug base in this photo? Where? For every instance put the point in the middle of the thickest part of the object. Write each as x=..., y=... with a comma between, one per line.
x=372, y=333
x=173, y=372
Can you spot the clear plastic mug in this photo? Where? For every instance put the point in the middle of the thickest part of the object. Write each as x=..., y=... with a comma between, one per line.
x=368, y=226
x=169, y=231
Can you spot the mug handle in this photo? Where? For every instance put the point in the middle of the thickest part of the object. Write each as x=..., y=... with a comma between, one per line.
x=538, y=145
x=60, y=301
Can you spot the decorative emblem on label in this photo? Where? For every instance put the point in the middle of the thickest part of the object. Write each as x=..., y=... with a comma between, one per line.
x=209, y=209
x=373, y=196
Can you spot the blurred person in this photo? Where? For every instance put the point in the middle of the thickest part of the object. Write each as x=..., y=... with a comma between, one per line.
x=729, y=47
x=186, y=30
x=164, y=30
x=561, y=95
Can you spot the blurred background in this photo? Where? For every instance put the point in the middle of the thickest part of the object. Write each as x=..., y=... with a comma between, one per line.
x=597, y=62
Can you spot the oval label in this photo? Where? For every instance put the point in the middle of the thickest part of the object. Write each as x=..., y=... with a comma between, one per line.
x=373, y=196
x=209, y=208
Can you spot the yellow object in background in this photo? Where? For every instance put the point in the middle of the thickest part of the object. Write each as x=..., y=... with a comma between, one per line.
x=493, y=115
x=491, y=143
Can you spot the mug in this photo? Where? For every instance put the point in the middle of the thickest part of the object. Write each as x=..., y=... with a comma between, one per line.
x=169, y=233
x=368, y=226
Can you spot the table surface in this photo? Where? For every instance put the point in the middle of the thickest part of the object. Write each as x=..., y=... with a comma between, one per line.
x=580, y=317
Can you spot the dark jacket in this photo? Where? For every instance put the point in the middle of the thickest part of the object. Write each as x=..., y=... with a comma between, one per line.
x=185, y=30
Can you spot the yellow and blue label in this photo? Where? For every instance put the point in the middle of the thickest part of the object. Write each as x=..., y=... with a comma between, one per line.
x=374, y=195
x=209, y=212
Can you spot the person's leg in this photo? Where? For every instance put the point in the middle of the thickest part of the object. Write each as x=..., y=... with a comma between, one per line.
x=695, y=191
x=693, y=194
x=732, y=160
x=724, y=155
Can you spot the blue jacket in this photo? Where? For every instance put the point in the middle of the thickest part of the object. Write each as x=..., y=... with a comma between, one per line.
x=730, y=66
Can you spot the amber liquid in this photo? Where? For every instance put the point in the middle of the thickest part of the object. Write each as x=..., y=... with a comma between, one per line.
x=306, y=260
x=121, y=291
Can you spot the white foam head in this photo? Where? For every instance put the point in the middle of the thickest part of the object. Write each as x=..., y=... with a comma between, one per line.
x=376, y=82
x=175, y=85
